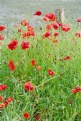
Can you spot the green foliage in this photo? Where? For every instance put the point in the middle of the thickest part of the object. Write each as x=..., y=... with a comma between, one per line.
x=52, y=96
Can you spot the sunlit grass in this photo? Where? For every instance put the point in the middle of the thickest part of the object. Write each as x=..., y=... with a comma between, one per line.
x=52, y=98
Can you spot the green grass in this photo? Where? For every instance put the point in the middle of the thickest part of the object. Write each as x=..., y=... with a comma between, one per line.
x=51, y=96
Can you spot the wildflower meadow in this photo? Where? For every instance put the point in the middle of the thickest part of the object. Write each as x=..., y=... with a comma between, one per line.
x=40, y=71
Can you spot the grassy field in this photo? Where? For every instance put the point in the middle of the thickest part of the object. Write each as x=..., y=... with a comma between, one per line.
x=40, y=70
x=52, y=66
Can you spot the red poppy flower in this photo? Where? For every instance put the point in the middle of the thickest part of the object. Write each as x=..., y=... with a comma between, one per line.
x=33, y=62
x=76, y=89
x=78, y=19
x=47, y=34
x=38, y=68
x=11, y=65
x=1, y=37
x=67, y=58
x=7, y=101
x=28, y=86
x=45, y=18
x=49, y=27
x=55, y=41
x=55, y=26
x=30, y=28
x=65, y=28
x=19, y=30
x=25, y=45
x=38, y=13
x=2, y=105
x=60, y=24
x=24, y=23
x=51, y=73
x=24, y=35
x=28, y=34
x=2, y=87
x=78, y=34
x=56, y=34
x=1, y=98
x=49, y=17
x=32, y=33
x=26, y=115
x=2, y=27
x=37, y=117
x=13, y=45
